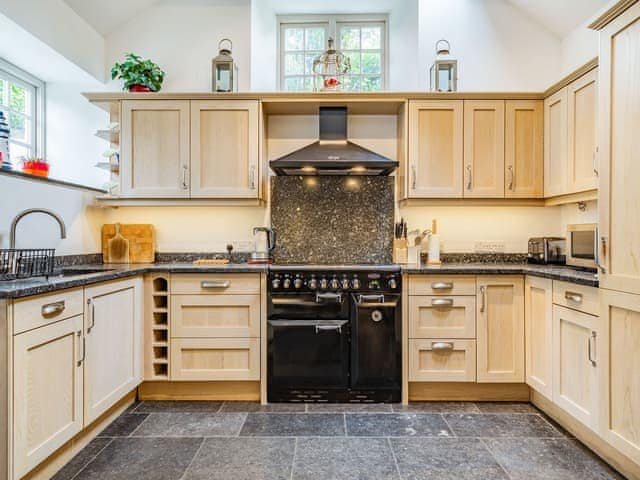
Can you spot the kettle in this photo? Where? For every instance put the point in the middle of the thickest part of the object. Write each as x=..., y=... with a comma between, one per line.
x=264, y=241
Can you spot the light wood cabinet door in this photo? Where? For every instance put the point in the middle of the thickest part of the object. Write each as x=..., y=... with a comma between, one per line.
x=538, y=324
x=619, y=372
x=47, y=391
x=582, y=106
x=523, y=149
x=500, y=329
x=154, y=149
x=619, y=164
x=555, y=144
x=435, y=149
x=442, y=317
x=224, y=149
x=575, y=387
x=113, y=327
x=442, y=360
x=484, y=148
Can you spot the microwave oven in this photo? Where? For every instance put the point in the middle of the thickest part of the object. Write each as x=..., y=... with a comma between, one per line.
x=582, y=245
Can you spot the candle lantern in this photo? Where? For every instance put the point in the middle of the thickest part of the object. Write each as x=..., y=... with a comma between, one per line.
x=224, y=70
x=330, y=68
x=444, y=71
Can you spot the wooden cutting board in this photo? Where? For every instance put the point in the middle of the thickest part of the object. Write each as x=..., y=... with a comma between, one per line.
x=141, y=238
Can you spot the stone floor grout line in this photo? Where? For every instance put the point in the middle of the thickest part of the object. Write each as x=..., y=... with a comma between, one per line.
x=186, y=470
x=453, y=433
x=293, y=461
x=244, y=420
x=395, y=460
x=495, y=458
x=344, y=420
x=91, y=460
x=142, y=422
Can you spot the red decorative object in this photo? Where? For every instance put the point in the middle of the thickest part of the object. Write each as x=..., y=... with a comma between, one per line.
x=139, y=89
x=331, y=82
x=39, y=169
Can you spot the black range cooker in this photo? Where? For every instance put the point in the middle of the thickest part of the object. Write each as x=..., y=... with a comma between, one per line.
x=334, y=334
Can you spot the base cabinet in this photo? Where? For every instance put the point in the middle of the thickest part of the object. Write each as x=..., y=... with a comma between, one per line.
x=538, y=322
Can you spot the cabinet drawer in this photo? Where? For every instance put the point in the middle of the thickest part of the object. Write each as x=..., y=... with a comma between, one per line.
x=440, y=360
x=42, y=310
x=200, y=359
x=240, y=283
x=577, y=297
x=442, y=285
x=442, y=317
x=215, y=316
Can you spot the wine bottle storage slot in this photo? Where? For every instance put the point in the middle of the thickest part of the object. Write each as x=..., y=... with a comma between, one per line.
x=158, y=323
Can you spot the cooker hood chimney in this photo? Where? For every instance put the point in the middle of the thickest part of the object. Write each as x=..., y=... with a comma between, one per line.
x=333, y=154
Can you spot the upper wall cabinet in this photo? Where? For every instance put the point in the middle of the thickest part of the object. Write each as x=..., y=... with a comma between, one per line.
x=555, y=144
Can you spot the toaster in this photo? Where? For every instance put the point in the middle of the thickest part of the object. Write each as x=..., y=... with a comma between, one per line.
x=547, y=250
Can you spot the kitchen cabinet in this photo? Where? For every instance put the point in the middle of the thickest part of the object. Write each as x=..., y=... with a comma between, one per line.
x=619, y=195
x=442, y=360
x=113, y=328
x=442, y=317
x=435, y=148
x=484, y=148
x=555, y=144
x=524, y=149
x=224, y=149
x=500, y=329
x=538, y=321
x=47, y=391
x=154, y=155
x=575, y=356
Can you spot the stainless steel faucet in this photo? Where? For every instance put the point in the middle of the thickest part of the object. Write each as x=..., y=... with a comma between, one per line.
x=14, y=223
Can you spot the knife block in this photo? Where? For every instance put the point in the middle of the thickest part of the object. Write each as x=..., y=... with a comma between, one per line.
x=400, y=250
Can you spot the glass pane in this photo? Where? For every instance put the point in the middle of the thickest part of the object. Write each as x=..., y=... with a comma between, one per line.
x=2, y=99
x=370, y=84
x=314, y=39
x=18, y=152
x=293, y=84
x=294, y=39
x=352, y=83
x=308, y=83
x=371, y=63
x=308, y=62
x=350, y=38
x=354, y=58
x=18, y=98
x=294, y=64
x=371, y=38
x=19, y=126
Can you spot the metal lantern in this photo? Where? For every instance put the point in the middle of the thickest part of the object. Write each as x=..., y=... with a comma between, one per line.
x=224, y=71
x=444, y=71
x=329, y=69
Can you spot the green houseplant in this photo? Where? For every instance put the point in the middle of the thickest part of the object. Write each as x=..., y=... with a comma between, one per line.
x=139, y=75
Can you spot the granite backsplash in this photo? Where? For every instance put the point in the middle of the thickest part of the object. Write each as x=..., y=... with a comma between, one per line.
x=333, y=219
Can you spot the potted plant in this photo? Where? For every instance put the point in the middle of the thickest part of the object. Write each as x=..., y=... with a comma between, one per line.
x=139, y=75
x=35, y=166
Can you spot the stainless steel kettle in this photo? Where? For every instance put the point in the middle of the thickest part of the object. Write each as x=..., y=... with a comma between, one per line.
x=264, y=241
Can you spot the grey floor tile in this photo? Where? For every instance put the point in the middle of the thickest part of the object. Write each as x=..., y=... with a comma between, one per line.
x=506, y=407
x=553, y=458
x=191, y=425
x=243, y=459
x=437, y=407
x=84, y=456
x=142, y=459
x=500, y=425
x=123, y=425
x=179, y=406
x=344, y=458
x=252, y=407
x=293, y=425
x=396, y=425
x=445, y=459
x=132, y=407
x=349, y=407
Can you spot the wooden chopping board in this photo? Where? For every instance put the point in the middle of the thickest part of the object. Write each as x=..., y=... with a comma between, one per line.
x=141, y=238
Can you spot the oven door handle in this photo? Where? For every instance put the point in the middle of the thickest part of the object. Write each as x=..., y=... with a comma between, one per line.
x=292, y=302
x=328, y=328
x=361, y=299
x=336, y=297
x=309, y=323
x=378, y=304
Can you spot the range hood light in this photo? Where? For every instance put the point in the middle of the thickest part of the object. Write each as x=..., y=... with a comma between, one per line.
x=308, y=169
x=358, y=169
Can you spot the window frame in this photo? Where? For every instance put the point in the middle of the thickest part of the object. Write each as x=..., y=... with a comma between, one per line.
x=20, y=77
x=332, y=23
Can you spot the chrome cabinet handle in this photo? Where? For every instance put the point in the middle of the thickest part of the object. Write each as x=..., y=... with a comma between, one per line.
x=328, y=328
x=442, y=347
x=511, y=176
x=52, y=309
x=252, y=177
x=442, y=285
x=185, y=184
x=590, y=340
x=572, y=296
x=482, y=298
x=442, y=302
x=84, y=348
x=414, y=175
x=92, y=315
x=595, y=162
x=470, y=177
x=603, y=242
x=215, y=284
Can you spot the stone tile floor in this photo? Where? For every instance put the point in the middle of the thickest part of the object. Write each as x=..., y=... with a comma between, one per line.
x=247, y=441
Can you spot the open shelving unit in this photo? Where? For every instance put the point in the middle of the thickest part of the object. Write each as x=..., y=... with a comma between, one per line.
x=157, y=335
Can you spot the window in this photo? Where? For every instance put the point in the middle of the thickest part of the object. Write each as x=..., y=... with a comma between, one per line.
x=22, y=101
x=362, y=39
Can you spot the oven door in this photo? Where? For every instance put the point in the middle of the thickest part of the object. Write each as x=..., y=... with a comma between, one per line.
x=307, y=354
x=320, y=305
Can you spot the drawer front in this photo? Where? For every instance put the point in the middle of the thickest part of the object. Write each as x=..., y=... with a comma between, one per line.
x=34, y=312
x=215, y=316
x=198, y=284
x=440, y=360
x=202, y=359
x=577, y=297
x=442, y=317
x=442, y=285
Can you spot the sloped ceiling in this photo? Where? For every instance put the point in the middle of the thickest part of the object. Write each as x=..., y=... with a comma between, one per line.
x=560, y=16
x=106, y=16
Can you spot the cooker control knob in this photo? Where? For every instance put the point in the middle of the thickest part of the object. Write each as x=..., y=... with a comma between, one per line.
x=297, y=283
x=323, y=283
x=335, y=284
x=286, y=283
x=345, y=283
x=374, y=285
x=313, y=284
x=275, y=283
x=355, y=283
x=393, y=284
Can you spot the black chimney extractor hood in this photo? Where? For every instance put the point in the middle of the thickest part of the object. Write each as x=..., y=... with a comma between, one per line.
x=333, y=154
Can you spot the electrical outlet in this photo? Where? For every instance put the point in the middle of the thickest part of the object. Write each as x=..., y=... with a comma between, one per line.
x=489, y=247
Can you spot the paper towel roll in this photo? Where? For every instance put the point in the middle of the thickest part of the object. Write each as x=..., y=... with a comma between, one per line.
x=434, y=250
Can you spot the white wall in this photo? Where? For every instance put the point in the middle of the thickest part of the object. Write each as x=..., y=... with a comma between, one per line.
x=577, y=48
x=182, y=37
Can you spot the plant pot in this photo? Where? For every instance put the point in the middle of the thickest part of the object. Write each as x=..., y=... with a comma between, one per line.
x=139, y=89
x=39, y=169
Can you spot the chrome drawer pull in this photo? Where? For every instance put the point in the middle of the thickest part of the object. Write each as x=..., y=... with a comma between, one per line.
x=215, y=284
x=442, y=302
x=442, y=347
x=51, y=309
x=328, y=328
x=483, y=304
x=572, y=296
x=84, y=348
x=592, y=338
x=442, y=285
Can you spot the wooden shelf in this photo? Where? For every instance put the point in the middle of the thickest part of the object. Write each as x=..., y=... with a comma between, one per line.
x=111, y=136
